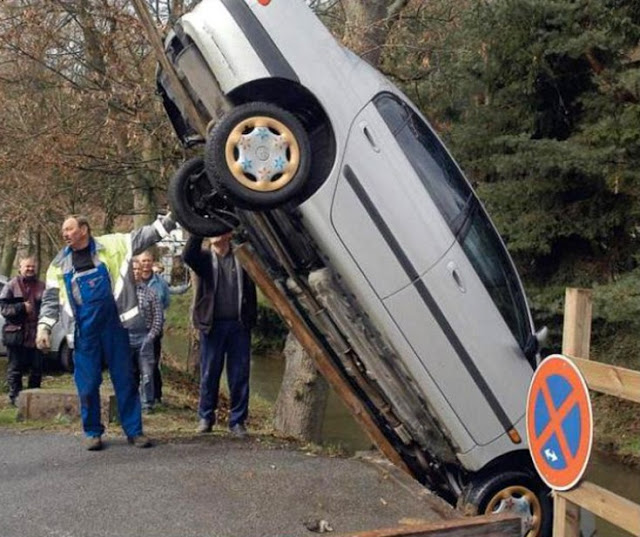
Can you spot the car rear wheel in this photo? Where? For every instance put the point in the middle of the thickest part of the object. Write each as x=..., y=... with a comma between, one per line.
x=259, y=154
x=198, y=206
x=516, y=492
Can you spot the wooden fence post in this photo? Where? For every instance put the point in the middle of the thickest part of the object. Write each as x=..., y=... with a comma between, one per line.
x=576, y=335
x=576, y=341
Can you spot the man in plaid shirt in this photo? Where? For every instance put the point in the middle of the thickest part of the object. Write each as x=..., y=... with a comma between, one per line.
x=143, y=335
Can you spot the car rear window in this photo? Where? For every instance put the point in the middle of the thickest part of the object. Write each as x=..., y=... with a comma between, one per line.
x=437, y=171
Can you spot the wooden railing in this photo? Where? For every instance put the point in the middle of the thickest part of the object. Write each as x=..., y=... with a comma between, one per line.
x=608, y=379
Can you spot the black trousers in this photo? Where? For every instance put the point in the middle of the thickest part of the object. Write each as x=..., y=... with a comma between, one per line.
x=23, y=360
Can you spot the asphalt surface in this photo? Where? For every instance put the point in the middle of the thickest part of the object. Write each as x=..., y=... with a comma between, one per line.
x=208, y=486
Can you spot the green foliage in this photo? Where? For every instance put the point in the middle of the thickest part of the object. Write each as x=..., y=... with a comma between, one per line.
x=270, y=331
x=539, y=101
x=178, y=315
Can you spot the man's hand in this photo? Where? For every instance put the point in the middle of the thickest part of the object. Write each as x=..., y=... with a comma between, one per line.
x=43, y=338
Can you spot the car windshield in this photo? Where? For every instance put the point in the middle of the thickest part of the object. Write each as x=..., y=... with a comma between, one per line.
x=461, y=209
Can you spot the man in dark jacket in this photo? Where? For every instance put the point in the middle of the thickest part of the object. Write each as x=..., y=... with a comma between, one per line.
x=224, y=311
x=20, y=305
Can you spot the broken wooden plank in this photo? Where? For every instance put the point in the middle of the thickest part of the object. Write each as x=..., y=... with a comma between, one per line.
x=502, y=525
x=185, y=101
x=310, y=344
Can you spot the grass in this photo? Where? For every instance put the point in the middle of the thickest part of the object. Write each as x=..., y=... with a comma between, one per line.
x=176, y=417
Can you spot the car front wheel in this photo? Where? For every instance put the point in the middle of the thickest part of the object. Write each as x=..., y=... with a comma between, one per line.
x=515, y=492
x=258, y=154
x=198, y=206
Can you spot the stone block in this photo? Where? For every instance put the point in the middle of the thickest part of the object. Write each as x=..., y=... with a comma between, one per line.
x=39, y=404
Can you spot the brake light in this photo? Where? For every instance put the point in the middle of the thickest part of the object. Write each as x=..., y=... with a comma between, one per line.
x=264, y=2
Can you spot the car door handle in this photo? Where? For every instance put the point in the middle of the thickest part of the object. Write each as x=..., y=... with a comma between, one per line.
x=457, y=278
x=369, y=136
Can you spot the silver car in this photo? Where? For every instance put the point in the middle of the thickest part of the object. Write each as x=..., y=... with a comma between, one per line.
x=358, y=209
x=61, y=355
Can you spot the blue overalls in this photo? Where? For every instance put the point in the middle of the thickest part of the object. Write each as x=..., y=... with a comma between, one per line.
x=99, y=334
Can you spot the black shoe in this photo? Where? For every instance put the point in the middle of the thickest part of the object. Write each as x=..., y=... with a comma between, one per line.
x=12, y=401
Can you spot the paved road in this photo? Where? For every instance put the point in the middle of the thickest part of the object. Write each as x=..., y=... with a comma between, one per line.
x=215, y=486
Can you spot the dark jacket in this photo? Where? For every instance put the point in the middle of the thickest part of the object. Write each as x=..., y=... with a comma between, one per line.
x=205, y=265
x=12, y=307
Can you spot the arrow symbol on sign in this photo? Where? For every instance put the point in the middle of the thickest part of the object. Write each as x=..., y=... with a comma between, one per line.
x=550, y=455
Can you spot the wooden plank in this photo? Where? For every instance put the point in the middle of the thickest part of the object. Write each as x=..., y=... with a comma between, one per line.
x=176, y=85
x=323, y=362
x=605, y=504
x=576, y=334
x=502, y=525
x=610, y=379
x=566, y=517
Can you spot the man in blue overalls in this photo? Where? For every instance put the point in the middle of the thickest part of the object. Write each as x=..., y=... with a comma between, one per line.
x=90, y=281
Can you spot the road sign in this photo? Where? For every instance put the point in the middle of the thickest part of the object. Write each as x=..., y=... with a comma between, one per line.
x=559, y=422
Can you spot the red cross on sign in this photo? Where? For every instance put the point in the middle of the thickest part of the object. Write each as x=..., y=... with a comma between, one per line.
x=559, y=422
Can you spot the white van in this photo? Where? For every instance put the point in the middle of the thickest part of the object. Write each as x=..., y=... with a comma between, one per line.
x=367, y=216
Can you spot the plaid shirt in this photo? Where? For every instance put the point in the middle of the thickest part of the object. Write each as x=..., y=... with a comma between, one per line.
x=151, y=309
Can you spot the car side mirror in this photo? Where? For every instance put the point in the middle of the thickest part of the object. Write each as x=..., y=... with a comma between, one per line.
x=533, y=345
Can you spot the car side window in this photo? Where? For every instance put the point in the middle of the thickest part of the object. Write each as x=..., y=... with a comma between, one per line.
x=436, y=169
x=489, y=258
x=457, y=203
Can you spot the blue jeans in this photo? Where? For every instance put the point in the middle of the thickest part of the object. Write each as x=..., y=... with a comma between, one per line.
x=143, y=364
x=230, y=340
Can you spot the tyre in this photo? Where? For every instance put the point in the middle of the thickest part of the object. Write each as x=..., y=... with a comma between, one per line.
x=513, y=491
x=199, y=208
x=65, y=355
x=259, y=155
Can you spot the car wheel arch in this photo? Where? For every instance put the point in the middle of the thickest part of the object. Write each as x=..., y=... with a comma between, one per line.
x=302, y=103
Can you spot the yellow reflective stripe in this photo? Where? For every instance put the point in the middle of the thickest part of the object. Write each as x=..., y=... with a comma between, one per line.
x=129, y=314
x=124, y=270
x=53, y=283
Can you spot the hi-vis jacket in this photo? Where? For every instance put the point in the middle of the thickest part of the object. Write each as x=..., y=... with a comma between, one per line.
x=115, y=252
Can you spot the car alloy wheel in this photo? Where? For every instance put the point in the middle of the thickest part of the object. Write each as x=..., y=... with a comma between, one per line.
x=512, y=491
x=518, y=500
x=259, y=155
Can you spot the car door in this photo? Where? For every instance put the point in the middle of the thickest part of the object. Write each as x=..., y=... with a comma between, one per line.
x=458, y=320
x=382, y=214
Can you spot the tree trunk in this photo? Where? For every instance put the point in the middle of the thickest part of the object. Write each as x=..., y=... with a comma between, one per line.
x=303, y=396
x=9, y=249
x=368, y=25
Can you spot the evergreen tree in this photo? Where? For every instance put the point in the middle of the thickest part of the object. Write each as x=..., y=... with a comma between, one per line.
x=541, y=99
